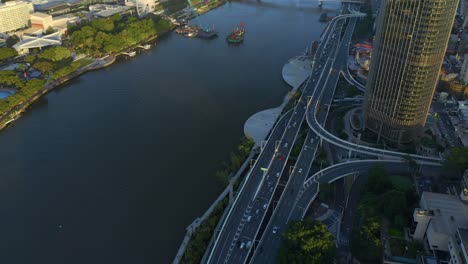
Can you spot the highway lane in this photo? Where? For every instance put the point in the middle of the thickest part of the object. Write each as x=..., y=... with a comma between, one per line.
x=338, y=171
x=248, y=214
x=252, y=180
x=270, y=242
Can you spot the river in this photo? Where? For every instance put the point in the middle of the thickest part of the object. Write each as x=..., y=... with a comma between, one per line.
x=111, y=167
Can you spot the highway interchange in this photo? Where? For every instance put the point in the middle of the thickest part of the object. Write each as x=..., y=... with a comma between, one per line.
x=243, y=236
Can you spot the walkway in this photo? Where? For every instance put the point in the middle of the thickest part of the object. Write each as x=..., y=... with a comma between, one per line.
x=295, y=73
x=297, y=70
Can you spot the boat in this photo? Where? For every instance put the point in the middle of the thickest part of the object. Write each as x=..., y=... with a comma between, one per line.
x=237, y=35
x=207, y=33
x=188, y=31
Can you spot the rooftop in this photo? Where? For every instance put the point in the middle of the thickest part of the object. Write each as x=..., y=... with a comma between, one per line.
x=449, y=211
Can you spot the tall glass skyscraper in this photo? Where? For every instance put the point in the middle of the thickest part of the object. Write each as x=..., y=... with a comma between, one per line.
x=409, y=47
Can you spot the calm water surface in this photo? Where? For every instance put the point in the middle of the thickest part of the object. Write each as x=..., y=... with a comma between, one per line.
x=113, y=166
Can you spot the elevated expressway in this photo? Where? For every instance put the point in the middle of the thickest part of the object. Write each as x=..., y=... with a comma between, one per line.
x=245, y=216
x=292, y=205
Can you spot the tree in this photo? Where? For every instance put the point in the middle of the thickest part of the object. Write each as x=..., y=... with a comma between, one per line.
x=103, y=24
x=6, y=53
x=306, y=242
x=49, y=31
x=378, y=181
x=457, y=161
x=365, y=242
x=30, y=59
x=55, y=54
x=44, y=66
x=12, y=40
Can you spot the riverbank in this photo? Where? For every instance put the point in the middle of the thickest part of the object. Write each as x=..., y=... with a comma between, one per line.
x=15, y=112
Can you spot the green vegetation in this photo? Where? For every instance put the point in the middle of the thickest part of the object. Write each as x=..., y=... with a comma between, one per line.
x=30, y=58
x=72, y=67
x=347, y=89
x=403, y=248
x=114, y=34
x=7, y=53
x=44, y=66
x=174, y=5
x=55, y=54
x=299, y=143
x=236, y=160
x=294, y=96
x=202, y=235
x=321, y=158
x=365, y=241
x=12, y=40
x=306, y=242
x=327, y=192
x=457, y=161
x=24, y=91
x=389, y=197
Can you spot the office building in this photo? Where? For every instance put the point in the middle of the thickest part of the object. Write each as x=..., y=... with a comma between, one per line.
x=14, y=15
x=409, y=47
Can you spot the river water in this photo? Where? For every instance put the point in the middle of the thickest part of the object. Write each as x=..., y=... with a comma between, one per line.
x=113, y=166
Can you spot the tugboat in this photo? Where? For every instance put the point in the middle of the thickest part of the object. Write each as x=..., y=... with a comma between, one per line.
x=237, y=36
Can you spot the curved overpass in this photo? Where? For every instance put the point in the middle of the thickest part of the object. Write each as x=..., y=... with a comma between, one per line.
x=330, y=174
x=314, y=106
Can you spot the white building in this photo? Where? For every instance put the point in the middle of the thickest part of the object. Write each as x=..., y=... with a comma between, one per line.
x=443, y=214
x=41, y=20
x=458, y=247
x=14, y=15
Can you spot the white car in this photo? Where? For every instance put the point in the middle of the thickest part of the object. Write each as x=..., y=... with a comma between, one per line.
x=300, y=170
x=265, y=206
x=275, y=230
x=277, y=174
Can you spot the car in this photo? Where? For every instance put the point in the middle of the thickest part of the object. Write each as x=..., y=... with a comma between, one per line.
x=267, y=177
x=249, y=244
x=294, y=125
x=257, y=211
x=280, y=157
x=275, y=230
x=300, y=170
x=286, y=144
x=242, y=245
x=249, y=218
x=277, y=174
x=265, y=206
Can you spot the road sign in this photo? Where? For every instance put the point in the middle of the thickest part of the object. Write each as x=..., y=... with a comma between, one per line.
x=264, y=169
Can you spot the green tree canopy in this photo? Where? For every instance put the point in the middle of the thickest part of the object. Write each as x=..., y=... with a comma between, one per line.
x=307, y=242
x=103, y=24
x=55, y=54
x=12, y=40
x=458, y=159
x=44, y=66
x=6, y=53
x=365, y=242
